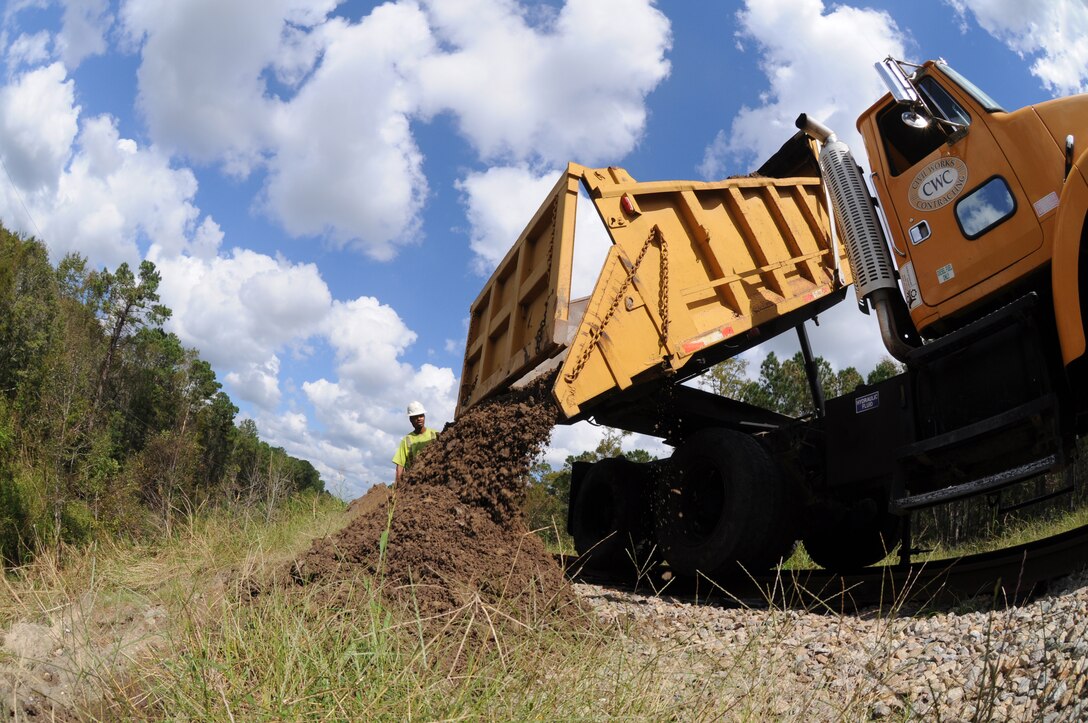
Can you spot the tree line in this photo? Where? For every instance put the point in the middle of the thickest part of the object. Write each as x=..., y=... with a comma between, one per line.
x=108, y=423
x=782, y=386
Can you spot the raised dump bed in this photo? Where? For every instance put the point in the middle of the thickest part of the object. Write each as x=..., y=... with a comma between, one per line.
x=695, y=270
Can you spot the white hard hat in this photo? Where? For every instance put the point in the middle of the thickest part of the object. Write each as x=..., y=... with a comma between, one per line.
x=416, y=408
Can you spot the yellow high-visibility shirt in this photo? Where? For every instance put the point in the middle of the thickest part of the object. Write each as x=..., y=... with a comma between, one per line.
x=411, y=445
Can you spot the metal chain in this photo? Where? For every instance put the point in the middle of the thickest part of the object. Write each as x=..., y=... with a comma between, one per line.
x=595, y=333
x=663, y=286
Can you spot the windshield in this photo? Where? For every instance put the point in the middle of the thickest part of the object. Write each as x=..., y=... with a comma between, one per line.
x=985, y=100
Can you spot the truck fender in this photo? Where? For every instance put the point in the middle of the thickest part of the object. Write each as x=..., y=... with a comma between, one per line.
x=1066, y=262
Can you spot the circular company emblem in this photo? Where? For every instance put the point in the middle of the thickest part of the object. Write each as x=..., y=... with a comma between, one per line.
x=938, y=184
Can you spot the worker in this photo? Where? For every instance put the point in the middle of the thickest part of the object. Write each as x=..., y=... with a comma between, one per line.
x=415, y=441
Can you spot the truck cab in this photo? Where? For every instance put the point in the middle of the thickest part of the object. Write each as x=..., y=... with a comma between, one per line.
x=970, y=191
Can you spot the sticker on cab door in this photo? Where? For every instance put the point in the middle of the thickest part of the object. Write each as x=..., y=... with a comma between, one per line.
x=910, y=285
x=937, y=184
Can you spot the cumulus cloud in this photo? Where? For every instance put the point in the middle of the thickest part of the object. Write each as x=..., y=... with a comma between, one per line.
x=242, y=308
x=500, y=201
x=78, y=183
x=29, y=49
x=38, y=122
x=258, y=383
x=833, y=84
x=526, y=92
x=200, y=88
x=116, y=197
x=239, y=309
x=84, y=25
x=1053, y=33
x=368, y=338
x=337, y=143
x=345, y=161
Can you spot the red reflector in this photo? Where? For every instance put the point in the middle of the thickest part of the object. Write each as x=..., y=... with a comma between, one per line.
x=627, y=204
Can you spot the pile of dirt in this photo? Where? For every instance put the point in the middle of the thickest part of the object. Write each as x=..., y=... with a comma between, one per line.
x=456, y=536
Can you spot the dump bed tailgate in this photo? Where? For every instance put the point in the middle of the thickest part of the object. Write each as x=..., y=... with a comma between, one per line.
x=519, y=319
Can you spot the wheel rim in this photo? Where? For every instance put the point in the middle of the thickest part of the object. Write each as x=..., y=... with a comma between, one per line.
x=699, y=502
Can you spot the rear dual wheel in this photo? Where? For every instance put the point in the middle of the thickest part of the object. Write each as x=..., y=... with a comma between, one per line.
x=853, y=536
x=610, y=522
x=723, y=507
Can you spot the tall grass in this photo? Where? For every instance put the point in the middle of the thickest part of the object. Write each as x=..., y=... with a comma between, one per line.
x=175, y=631
x=172, y=630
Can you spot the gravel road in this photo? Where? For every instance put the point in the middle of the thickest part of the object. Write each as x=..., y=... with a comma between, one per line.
x=1016, y=662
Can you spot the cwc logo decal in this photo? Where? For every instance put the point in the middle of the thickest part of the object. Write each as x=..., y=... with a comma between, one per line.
x=938, y=184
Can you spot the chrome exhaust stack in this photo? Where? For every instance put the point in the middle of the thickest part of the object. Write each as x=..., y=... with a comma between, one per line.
x=857, y=221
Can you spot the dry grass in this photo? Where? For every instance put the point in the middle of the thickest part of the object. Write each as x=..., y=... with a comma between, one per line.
x=167, y=632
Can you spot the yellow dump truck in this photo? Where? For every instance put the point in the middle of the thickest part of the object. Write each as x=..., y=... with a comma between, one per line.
x=983, y=301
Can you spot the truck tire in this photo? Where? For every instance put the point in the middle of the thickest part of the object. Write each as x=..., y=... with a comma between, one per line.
x=610, y=519
x=723, y=508
x=856, y=537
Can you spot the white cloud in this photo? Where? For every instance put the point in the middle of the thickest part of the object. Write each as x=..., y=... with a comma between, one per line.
x=38, y=122
x=336, y=141
x=283, y=302
x=1054, y=33
x=500, y=201
x=345, y=162
x=258, y=383
x=368, y=338
x=200, y=85
x=436, y=387
x=522, y=92
x=84, y=24
x=81, y=186
x=242, y=309
x=337, y=146
x=29, y=49
x=832, y=84
x=116, y=197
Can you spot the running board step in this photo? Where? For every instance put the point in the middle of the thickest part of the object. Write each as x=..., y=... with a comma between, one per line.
x=1036, y=408
x=1021, y=308
x=968, y=489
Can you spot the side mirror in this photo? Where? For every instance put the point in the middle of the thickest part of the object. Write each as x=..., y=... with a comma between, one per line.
x=914, y=120
x=897, y=82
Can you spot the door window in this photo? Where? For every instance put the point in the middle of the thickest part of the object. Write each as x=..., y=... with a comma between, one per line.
x=985, y=207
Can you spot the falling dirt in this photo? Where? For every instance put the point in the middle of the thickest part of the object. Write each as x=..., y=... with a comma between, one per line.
x=456, y=536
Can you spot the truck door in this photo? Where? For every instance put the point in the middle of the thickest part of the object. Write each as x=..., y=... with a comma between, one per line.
x=954, y=204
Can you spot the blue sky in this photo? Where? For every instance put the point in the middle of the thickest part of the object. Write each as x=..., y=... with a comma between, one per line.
x=325, y=185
